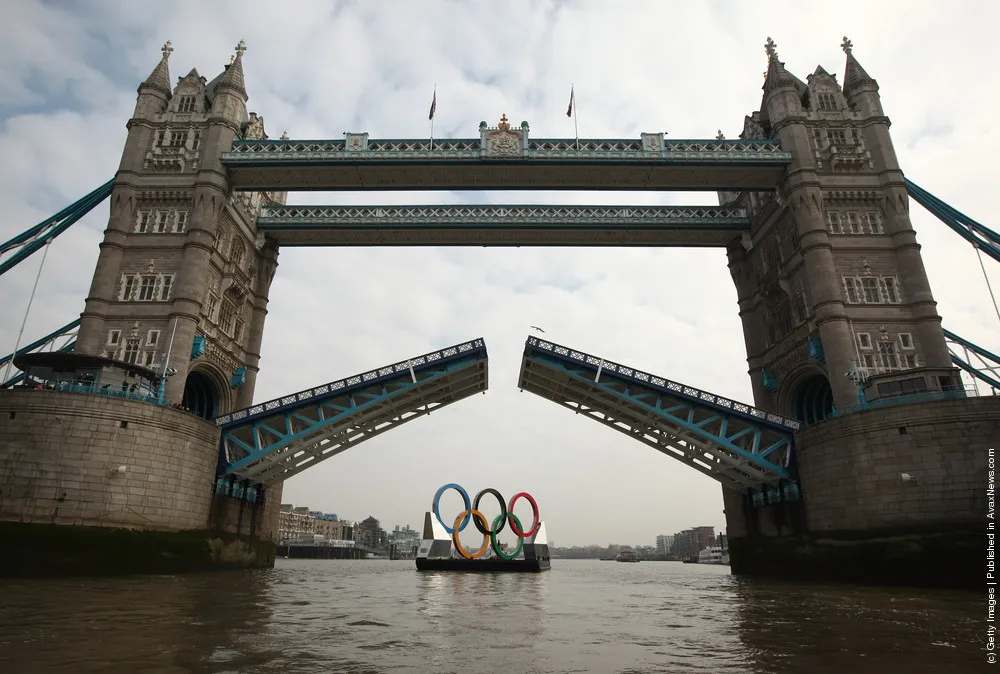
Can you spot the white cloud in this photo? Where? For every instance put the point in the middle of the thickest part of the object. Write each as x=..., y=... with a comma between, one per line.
x=688, y=68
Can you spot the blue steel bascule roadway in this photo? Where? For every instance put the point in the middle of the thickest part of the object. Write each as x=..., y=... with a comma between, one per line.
x=737, y=444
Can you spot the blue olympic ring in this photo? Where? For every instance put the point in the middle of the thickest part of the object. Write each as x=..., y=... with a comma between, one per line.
x=465, y=498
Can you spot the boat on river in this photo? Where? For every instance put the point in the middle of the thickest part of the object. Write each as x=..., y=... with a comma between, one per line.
x=626, y=555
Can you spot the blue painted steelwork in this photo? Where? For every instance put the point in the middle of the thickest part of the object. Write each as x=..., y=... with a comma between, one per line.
x=816, y=349
x=564, y=151
x=198, y=346
x=988, y=372
x=503, y=225
x=649, y=162
x=96, y=388
x=280, y=438
x=769, y=379
x=977, y=234
x=22, y=246
x=905, y=399
x=50, y=342
x=239, y=377
x=734, y=443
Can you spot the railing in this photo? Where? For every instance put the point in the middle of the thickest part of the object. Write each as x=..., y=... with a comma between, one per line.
x=607, y=366
x=369, y=377
x=908, y=398
x=106, y=390
x=468, y=148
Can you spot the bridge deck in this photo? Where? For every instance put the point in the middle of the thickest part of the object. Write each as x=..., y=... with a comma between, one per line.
x=734, y=443
x=275, y=440
x=469, y=164
x=509, y=225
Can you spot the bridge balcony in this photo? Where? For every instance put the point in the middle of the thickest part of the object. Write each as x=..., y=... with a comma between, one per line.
x=275, y=440
x=738, y=445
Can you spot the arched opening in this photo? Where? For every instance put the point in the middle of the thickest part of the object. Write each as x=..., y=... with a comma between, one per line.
x=201, y=395
x=813, y=400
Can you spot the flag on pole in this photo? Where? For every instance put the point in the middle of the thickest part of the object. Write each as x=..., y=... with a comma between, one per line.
x=434, y=102
x=569, y=110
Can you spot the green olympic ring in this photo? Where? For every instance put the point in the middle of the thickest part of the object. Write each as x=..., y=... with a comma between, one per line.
x=494, y=530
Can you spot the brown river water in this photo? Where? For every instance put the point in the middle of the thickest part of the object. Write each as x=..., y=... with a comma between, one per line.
x=582, y=616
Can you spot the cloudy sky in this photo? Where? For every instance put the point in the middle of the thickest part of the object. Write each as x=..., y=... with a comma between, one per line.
x=70, y=71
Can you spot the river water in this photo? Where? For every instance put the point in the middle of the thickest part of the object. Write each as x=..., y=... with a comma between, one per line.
x=382, y=616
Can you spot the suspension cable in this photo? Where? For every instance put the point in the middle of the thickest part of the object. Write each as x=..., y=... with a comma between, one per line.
x=979, y=253
x=31, y=299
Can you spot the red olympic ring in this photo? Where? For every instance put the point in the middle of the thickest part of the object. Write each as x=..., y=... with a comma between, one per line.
x=534, y=509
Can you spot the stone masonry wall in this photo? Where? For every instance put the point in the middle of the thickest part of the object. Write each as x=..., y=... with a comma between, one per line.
x=59, y=454
x=850, y=467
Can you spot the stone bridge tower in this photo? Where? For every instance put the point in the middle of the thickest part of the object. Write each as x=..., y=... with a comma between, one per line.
x=182, y=281
x=830, y=282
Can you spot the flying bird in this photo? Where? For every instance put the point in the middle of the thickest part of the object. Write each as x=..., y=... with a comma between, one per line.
x=535, y=327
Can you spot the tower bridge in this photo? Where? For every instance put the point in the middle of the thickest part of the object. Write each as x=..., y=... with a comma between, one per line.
x=854, y=379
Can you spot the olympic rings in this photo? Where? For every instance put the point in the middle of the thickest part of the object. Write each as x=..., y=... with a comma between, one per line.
x=476, y=517
x=516, y=528
x=472, y=513
x=437, y=506
x=496, y=543
x=503, y=511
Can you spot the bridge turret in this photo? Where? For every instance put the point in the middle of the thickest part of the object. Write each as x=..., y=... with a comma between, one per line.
x=155, y=91
x=860, y=89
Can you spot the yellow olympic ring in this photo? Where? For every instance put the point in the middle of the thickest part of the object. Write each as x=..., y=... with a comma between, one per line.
x=458, y=543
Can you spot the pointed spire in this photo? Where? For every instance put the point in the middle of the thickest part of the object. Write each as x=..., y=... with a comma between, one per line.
x=776, y=74
x=233, y=76
x=160, y=77
x=854, y=75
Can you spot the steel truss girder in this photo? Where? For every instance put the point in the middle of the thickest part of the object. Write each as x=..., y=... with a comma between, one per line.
x=61, y=340
x=976, y=233
x=505, y=225
x=278, y=441
x=737, y=451
x=22, y=246
x=989, y=369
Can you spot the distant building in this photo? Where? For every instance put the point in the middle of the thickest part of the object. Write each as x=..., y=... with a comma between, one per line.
x=295, y=523
x=370, y=533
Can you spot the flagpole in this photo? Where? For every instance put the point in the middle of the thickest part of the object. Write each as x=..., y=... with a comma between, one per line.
x=576, y=128
x=433, y=107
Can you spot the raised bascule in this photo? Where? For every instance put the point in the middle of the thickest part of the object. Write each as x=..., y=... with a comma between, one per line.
x=142, y=415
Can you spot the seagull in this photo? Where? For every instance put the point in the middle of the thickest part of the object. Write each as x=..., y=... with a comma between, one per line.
x=535, y=327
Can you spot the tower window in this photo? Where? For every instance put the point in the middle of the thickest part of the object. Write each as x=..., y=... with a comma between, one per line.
x=887, y=355
x=874, y=222
x=226, y=314
x=161, y=221
x=186, y=104
x=142, y=222
x=906, y=340
x=910, y=359
x=177, y=139
x=833, y=219
x=838, y=137
x=148, y=357
x=165, y=287
x=827, y=102
x=114, y=337
x=195, y=140
x=128, y=287
x=865, y=340
x=147, y=288
x=868, y=359
x=152, y=337
x=851, y=290
x=891, y=290
x=869, y=288
x=854, y=222
x=131, y=351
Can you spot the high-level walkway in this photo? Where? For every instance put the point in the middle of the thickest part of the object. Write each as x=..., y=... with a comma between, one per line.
x=275, y=440
x=732, y=442
x=646, y=163
x=503, y=225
